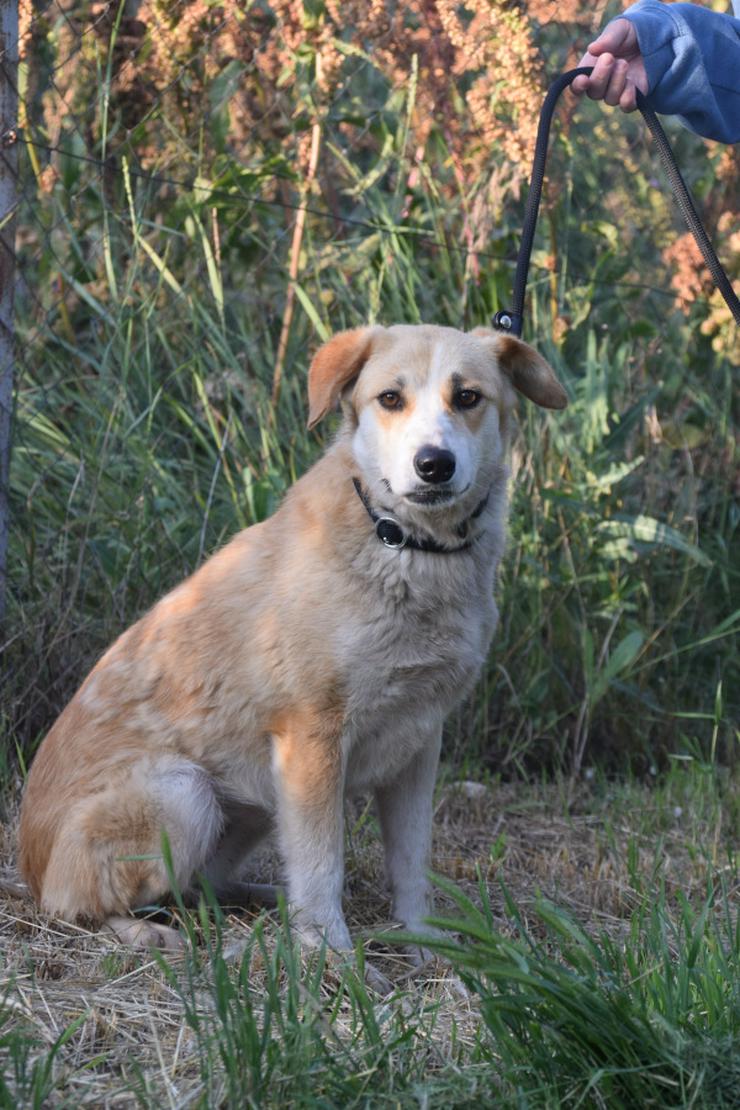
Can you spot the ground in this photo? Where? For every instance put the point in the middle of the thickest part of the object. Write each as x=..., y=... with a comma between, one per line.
x=133, y=1035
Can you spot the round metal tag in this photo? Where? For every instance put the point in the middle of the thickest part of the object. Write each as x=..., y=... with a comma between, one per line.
x=390, y=532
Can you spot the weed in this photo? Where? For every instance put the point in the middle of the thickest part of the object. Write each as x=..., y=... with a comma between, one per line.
x=646, y=1018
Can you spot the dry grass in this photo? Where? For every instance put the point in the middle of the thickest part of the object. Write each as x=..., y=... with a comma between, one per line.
x=595, y=857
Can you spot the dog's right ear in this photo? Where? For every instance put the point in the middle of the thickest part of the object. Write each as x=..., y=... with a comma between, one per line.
x=334, y=366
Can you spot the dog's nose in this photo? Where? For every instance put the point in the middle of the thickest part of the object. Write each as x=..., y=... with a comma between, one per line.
x=434, y=464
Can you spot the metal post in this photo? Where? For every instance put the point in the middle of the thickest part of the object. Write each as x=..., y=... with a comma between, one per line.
x=8, y=202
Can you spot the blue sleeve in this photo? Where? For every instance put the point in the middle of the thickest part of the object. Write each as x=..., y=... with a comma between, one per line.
x=692, y=58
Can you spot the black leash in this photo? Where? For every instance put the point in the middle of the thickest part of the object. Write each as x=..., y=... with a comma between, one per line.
x=511, y=320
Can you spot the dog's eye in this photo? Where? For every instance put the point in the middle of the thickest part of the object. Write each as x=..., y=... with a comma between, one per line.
x=391, y=399
x=467, y=398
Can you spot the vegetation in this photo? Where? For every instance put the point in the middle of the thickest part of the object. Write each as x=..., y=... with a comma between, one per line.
x=590, y=958
x=207, y=192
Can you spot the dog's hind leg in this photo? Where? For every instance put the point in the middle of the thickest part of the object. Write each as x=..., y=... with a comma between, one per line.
x=109, y=856
x=246, y=826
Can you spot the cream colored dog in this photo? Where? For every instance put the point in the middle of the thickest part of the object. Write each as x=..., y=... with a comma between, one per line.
x=317, y=654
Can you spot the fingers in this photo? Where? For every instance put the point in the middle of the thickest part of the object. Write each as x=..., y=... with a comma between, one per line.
x=597, y=84
x=613, y=80
x=617, y=82
x=601, y=78
x=580, y=84
x=628, y=99
x=617, y=64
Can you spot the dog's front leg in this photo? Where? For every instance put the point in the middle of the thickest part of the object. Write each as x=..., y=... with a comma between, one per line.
x=405, y=811
x=308, y=769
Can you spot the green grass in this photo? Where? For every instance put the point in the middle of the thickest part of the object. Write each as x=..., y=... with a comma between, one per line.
x=649, y=1018
x=148, y=320
x=145, y=438
x=27, y=1077
x=299, y=1040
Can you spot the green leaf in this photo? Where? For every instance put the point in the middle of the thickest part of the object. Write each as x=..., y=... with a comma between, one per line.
x=646, y=529
x=619, y=660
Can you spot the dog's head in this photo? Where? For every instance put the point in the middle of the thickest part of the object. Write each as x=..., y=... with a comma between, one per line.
x=427, y=407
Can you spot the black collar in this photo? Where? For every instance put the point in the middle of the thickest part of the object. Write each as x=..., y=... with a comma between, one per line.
x=390, y=532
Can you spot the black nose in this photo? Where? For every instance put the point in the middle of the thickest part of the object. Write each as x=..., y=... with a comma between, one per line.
x=434, y=464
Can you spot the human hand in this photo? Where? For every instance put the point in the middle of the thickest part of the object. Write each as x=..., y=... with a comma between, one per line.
x=619, y=69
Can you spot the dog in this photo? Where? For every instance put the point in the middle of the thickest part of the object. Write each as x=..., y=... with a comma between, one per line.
x=316, y=655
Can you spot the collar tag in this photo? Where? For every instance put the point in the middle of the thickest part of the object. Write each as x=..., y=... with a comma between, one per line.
x=389, y=531
x=391, y=534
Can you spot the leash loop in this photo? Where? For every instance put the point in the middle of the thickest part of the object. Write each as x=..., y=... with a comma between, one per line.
x=511, y=320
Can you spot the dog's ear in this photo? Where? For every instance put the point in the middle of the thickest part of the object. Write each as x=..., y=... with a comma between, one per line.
x=525, y=368
x=334, y=366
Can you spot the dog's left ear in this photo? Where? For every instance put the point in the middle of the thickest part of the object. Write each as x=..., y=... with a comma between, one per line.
x=334, y=366
x=525, y=368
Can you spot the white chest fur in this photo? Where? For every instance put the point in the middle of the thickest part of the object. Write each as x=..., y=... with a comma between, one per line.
x=420, y=634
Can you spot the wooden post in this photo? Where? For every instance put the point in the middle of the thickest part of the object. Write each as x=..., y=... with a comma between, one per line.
x=8, y=203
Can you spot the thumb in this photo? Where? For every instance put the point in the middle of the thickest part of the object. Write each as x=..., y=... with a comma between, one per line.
x=615, y=39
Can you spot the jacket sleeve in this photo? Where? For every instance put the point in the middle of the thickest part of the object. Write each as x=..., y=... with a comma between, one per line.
x=692, y=59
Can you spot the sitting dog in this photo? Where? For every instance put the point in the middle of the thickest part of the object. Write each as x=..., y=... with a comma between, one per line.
x=316, y=655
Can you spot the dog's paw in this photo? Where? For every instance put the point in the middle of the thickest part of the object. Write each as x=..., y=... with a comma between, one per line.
x=421, y=954
x=340, y=963
x=376, y=980
x=334, y=934
x=135, y=933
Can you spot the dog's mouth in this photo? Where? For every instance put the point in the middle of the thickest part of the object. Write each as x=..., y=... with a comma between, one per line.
x=433, y=496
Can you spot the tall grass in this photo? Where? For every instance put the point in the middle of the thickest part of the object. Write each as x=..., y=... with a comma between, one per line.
x=145, y=437
x=647, y=1018
x=149, y=317
x=272, y=1029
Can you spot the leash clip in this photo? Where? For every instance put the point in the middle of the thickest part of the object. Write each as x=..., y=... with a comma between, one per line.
x=505, y=320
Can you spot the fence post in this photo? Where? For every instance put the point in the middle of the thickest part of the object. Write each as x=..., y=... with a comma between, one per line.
x=8, y=190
